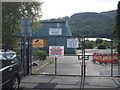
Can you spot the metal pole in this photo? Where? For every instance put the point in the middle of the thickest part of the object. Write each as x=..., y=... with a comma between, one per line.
x=24, y=55
x=55, y=60
x=22, y=52
x=83, y=64
x=55, y=65
x=25, y=30
x=111, y=57
x=79, y=56
x=30, y=55
x=82, y=58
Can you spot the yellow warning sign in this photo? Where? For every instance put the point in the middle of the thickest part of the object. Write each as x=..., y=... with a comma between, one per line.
x=39, y=43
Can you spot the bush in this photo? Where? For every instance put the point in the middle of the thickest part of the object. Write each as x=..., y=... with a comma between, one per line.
x=42, y=55
x=106, y=43
x=101, y=46
x=89, y=44
x=99, y=41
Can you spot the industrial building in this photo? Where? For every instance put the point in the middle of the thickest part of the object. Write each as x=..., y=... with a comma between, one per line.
x=52, y=33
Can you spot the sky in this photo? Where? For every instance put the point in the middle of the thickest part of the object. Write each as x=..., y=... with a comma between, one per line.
x=60, y=8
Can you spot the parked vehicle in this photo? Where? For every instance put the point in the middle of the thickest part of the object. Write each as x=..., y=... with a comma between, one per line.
x=11, y=70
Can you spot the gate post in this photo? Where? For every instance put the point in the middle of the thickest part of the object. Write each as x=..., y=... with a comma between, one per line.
x=111, y=57
x=83, y=58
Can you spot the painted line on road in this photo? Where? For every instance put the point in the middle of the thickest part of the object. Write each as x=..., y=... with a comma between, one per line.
x=42, y=66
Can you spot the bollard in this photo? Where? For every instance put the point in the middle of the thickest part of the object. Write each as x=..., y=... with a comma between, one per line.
x=55, y=65
x=83, y=70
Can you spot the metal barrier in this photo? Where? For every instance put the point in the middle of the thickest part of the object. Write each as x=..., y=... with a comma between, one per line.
x=105, y=58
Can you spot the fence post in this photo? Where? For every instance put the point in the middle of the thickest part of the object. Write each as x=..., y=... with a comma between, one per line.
x=111, y=57
x=55, y=65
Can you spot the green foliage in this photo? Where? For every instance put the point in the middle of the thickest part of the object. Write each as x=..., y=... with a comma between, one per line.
x=51, y=62
x=118, y=57
x=101, y=46
x=117, y=29
x=42, y=54
x=99, y=41
x=89, y=44
x=13, y=12
x=106, y=43
x=118, y=48
x=92, y=24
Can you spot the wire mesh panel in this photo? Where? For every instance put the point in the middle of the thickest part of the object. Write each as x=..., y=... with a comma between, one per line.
x=46, y=66
x=68, y=65
x=64, y=58
x=103, y=59
x=59, y=56
x=60, y=59
x=97, y=65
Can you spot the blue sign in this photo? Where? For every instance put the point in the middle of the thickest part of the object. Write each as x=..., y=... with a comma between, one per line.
x=26, y=26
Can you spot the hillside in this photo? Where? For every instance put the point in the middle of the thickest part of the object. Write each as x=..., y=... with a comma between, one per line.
x=91, y=23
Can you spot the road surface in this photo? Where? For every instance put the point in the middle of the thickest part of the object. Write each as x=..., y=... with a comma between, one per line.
x=70, y=65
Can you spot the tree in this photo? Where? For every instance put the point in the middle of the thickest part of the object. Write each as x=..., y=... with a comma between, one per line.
x=117, y=29
x=106, y=43
x=12, y=12
x=99, y=41
x=89, y=44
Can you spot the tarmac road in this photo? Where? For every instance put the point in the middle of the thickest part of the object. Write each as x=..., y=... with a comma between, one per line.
x=70, y=65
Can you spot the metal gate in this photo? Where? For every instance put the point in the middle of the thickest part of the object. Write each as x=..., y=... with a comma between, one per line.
x=60, y=53
x=84, y=62
x=79, y=61
x=57, y=64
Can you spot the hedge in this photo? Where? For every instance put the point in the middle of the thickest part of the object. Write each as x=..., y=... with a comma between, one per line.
x=101, y=46
x=42, y=54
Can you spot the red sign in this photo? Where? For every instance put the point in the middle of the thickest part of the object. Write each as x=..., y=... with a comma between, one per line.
x=105, y=57
x=56, y=50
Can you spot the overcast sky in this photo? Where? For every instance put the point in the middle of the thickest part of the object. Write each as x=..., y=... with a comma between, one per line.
x=61, y=8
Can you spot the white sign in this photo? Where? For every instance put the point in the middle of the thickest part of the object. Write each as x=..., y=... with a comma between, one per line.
x=55, y=31
x=56, y=50
x=72, y=43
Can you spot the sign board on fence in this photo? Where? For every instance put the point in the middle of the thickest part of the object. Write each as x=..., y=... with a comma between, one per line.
x=39, y=43
x=56, y=50
x=72, y=43
x=55, y=31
